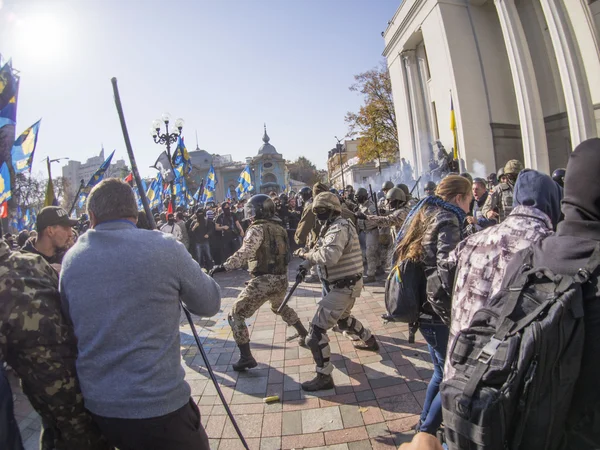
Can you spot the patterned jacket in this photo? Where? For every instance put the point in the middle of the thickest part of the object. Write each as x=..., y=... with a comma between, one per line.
x=480, y=261
x=38, y=343
x=394, y=219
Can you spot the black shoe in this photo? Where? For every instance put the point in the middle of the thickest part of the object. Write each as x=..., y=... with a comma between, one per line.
x=246, y=360
x=371, y=344
x=319, y=383
x=302, y=333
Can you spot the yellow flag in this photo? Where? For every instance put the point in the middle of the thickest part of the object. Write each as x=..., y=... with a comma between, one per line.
x=453, y=128
x=50, y=199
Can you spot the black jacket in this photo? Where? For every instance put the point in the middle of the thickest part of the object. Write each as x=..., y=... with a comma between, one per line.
x=442, y=235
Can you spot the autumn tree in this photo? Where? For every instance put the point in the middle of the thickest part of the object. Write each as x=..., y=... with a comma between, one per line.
x=304, y=170
x=375, y=123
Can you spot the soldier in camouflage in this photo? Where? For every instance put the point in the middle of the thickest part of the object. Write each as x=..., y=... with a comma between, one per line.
x=338, y=257
x=371, y=233
x=266, y=250
x=499, y=203
x=396, y=201
x=38, y=343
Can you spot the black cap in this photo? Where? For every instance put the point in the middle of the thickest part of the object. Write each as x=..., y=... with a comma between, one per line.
x=53, y=215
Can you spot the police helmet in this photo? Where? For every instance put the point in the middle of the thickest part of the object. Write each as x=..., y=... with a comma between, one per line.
x=283, y=197
x=500, y=173
x=395, y=194
x=361, y=194
x=514, y=166
x=259, y=206
x=559, y=176
x=305, y=193
x=430, y=186
x=380, y=195
x=327, y=200
x=404, y=189
x=387, y=185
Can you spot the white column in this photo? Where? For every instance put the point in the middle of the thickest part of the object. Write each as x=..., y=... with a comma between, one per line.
x=582, y=124
x=419, y=119
x=531, y=117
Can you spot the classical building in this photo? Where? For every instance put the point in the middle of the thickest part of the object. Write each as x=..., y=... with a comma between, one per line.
x=344, y=167
x=523, y=75
x=268, y=170
x=75, y=171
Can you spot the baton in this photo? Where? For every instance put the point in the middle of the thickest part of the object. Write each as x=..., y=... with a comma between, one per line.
x=416, y=184
x=152, y=223
x=374, y=200
x=299, y=279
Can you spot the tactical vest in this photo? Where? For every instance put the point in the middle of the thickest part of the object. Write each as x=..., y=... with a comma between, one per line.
x=272, y=257
x=506, y=200
x=350, y=263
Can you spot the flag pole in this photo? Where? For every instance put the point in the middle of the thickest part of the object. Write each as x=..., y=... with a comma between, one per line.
x=134, y=168
x=81, y=186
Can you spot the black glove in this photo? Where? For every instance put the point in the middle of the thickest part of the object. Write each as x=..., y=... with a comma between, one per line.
x=217, y=269
x=360, y=215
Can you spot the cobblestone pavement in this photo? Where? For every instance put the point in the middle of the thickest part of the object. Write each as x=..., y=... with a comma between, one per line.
x=376, y=401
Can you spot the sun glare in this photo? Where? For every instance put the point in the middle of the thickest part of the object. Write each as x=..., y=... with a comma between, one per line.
x=41, y=37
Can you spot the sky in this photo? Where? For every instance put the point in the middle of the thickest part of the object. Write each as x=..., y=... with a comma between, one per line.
x=225, y=67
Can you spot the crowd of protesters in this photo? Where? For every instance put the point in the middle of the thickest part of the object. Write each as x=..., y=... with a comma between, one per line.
x=90, y=322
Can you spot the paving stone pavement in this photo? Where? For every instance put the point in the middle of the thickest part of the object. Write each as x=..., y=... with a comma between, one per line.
x=375, y=403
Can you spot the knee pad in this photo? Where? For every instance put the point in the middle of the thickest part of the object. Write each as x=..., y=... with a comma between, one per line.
x=315, y=337
x=347, y=324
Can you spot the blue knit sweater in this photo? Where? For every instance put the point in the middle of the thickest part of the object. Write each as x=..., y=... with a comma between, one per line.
x=121, y=286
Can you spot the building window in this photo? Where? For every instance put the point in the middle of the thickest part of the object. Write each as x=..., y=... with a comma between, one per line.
x=267, y=165
x=269, y=178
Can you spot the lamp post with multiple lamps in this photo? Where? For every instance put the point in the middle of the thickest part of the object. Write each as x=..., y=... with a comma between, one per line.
x=167, y=138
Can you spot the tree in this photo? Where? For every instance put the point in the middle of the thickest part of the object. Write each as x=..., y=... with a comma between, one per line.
x=375, y=123
x=304, y=170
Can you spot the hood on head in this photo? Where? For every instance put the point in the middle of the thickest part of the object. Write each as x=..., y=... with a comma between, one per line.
x=582, y=188
x=539, y=191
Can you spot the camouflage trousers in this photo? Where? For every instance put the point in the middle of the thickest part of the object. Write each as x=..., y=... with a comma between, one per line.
x=264, y=288
x=335, y=308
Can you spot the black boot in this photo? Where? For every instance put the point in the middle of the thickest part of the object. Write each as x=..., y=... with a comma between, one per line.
x=246, y=360
x=318, y=383
x=302, y=333
x=370, y=344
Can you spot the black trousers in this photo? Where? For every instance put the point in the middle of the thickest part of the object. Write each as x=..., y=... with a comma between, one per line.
x=179, y=430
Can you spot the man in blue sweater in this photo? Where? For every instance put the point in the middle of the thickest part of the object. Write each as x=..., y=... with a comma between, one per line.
x=121, y=288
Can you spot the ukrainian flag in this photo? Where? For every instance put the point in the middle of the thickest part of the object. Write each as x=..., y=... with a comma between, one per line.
x=244, y=182
x=8, y=85
x=5, y=191
x=453, y=128
x=95, y=179
x=8, y=114
x=24, y=147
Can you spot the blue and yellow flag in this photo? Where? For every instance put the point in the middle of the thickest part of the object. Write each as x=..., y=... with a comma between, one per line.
x=94, y=180
x=24, y=148
x=5, y=191
x=453, y=128
x=8, y=84
x=8, y=114
x=211, y=178
x=154, y=192
x=244, y=182
x=181, y=157
x=208, y=196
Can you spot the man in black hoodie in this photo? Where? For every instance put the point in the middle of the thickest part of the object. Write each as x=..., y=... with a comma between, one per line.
x=567, y=252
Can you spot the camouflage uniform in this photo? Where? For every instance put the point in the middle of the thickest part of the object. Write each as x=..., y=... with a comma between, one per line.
x=338, y=256
x=481, y=260
x=500, y=200
x=391, y=222
x=260, y=289
x=371, y=242
x=39, y=344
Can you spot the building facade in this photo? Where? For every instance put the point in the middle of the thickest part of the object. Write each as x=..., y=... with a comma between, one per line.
x=523, y=77
x=75, y=171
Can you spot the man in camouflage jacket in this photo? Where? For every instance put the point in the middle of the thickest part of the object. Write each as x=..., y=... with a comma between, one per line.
x=38, y=343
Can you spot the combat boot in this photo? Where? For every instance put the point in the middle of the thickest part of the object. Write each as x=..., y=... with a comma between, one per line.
x=370, y=344
x=319, y=383
x=302, y=333
x=246, y=360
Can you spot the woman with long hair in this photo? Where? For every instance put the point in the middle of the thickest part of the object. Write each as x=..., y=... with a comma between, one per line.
x=431, y=231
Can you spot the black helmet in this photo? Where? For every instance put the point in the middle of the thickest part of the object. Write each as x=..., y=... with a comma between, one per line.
x=361, y=194
x=387, y=185
x=430, y=186
x=283, y=197
x=305, y=193
x=559, y=176
x=259, y=206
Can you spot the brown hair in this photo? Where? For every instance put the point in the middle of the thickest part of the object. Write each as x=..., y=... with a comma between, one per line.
x=112, y=199
x=410, y=247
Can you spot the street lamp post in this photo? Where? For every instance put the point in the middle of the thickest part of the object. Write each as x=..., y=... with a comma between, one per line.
x=338, y=147
x=167, y=139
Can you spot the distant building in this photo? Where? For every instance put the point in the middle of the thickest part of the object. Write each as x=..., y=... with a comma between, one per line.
x=76, y=171
x=352, y=171
x=268, y=170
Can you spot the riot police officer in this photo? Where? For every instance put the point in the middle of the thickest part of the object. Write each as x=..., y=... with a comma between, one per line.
x=499, y=203
x=266, y=250
x=396, y=200
x=559, y=176
x=338, y=257
x=430, y=188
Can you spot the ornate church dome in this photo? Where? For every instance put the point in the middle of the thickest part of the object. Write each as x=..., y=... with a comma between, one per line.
x=266, y=148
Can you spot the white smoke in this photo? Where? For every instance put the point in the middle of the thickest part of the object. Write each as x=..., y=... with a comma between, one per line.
x=479, y=170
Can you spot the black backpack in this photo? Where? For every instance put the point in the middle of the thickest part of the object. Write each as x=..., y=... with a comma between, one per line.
x=517, y=363
x=405, y=293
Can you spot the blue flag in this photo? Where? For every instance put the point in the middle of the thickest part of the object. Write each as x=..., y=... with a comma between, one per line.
x=154, y=192
x=8, y=84
x=244, y=182
x=181, y=157
x=8, y=114
x=209, y=189
x=94, y=180
x=24, y=147
x=5, y=191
